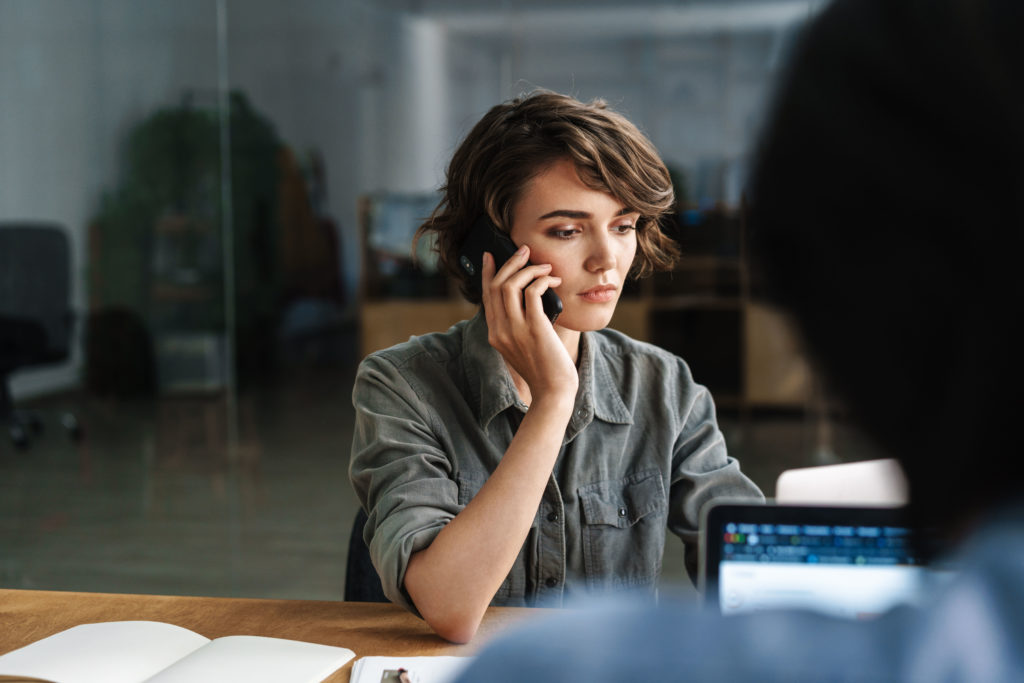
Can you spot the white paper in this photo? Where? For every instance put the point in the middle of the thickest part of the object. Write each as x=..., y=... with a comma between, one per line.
x=254, y=659
x=439, y=669
x=111, y=652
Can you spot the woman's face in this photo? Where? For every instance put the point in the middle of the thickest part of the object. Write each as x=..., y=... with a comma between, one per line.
x=587, y=236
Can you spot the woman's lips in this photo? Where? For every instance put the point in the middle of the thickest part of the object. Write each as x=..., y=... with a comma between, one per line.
x=600, y=294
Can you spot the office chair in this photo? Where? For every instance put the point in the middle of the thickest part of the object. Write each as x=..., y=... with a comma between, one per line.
x=361, y=581
x=35, y=314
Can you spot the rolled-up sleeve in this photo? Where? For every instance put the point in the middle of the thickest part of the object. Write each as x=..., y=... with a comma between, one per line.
x=702, y=470
x=399, y=471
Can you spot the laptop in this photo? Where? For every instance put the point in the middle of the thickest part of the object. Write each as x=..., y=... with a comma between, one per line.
x=850, y=561
x=868, y=482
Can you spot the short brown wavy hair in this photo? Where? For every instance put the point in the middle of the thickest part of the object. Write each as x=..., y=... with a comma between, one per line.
x=517, y=140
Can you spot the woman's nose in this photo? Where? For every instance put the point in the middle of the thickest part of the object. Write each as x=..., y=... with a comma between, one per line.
x=601, y=253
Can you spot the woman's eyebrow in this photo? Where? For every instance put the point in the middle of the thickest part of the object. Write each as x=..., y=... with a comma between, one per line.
x=569, y=213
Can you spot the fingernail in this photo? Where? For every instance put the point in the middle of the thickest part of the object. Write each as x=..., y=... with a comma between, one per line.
x=522, y=250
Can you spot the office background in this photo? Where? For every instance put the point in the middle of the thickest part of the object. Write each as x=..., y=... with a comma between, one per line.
x=238, y=181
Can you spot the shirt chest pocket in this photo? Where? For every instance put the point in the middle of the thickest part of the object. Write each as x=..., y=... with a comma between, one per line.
x=623, y=530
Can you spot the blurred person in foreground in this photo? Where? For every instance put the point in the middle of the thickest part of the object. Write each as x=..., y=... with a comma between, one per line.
x=887, y=203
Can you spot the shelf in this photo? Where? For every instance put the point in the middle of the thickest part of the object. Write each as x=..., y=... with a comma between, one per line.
x=695, y=301
x=386, y=323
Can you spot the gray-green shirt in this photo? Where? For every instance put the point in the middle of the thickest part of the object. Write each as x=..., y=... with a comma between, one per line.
x=435, y=415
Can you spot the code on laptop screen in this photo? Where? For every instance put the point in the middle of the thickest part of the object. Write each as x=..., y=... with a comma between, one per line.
x=843, y=570
x=824, y=559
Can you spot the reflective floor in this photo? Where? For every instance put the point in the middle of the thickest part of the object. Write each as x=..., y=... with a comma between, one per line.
x=148, y=501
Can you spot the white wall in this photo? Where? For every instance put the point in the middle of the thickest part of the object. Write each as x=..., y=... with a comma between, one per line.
x=699, y=98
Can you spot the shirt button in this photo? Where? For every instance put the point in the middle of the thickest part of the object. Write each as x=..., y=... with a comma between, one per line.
x=581, y=412
x=623, y=512
x=552, y=517
x=550, y=582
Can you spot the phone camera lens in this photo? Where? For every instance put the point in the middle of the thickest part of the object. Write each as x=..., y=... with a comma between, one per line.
x=467, y=265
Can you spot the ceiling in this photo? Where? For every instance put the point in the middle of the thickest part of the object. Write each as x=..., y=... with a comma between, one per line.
x=609, y=18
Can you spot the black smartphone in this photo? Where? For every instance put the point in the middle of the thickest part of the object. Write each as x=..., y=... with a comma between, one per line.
x=485, y=236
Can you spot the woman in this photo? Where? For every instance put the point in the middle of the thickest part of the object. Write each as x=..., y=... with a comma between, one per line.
x=514, y=461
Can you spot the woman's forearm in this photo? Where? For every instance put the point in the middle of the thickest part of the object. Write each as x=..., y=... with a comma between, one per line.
x=453, y=580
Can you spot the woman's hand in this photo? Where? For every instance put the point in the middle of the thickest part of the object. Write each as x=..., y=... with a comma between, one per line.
x=518, y=328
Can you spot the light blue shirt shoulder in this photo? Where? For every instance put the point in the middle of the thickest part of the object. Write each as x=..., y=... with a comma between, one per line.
x=969, y=630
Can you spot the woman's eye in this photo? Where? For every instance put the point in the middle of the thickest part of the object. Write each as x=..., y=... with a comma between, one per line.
x=623, y=228
x=563, y=233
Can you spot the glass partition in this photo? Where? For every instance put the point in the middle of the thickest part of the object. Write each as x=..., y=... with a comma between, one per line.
x=234, y=182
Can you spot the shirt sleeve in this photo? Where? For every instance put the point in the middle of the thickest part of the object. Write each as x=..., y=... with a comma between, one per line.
x=400, y=473
x=701, y=468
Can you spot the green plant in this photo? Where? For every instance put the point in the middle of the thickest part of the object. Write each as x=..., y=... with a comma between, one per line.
x=170, y=193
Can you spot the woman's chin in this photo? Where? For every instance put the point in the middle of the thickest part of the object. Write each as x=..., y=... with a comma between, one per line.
x=585, y=321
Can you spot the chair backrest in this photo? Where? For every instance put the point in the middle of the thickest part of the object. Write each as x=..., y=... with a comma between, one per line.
x=362, y=584
x=35, y=283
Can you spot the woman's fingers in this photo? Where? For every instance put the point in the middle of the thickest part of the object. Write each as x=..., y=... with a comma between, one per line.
x=514, y=263
x=515, y=287
x=507, y=286
x=486, y=276
x=532, y=295
x=491, y=281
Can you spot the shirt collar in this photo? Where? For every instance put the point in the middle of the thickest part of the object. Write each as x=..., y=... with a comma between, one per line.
x=489, y=380
x=486, y=375
x=597, y=382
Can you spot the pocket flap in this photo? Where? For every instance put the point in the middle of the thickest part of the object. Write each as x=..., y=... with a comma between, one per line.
x=623, y=502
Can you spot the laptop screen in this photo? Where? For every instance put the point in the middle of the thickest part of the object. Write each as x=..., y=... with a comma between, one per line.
x=852, y=562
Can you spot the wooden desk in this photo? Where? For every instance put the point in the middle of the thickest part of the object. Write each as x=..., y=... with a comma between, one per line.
x=365, y=628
